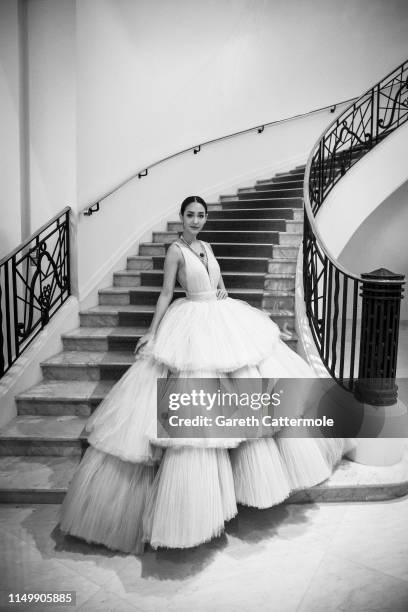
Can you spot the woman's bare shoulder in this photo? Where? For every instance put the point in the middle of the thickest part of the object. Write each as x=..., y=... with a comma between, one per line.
x=207, y=244
x=173, y=252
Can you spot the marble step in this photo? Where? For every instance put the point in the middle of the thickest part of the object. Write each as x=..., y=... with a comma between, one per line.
x=225, y=236
x=282, y=265
x=87, y=365
x=298, y=173
x=134, y=315
x=43, y=435
x=247, y=225
x=99, y=365
x=123, y=339
x=272, y=187
x=278, y=225
x=103, y=338
x=149, y=294
x=227, y=264
x=293, y=214
x=290, y=238
x=232, y=202
x=40, y=479
x=236, y=280
x=137, y=316
x=45, y=480
x=288, y=192
x=226, y=249
x=286, y=179
x=232, y=280
x=60, y=397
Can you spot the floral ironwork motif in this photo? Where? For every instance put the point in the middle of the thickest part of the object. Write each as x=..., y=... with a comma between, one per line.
x=34, y=283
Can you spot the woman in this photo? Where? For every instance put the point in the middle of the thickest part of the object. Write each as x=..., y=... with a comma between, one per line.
x=132, y=487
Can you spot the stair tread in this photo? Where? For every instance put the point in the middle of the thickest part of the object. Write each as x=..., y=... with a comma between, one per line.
x=144, y=288
x=90, y=358
x=226, y=273
x=102, y=332
x=114, y=309
x=64, y=390
x=36, y=472
x=37, y=427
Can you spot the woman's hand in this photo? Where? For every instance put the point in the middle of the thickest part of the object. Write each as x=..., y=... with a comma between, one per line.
x=222, y=294
x=143, y=340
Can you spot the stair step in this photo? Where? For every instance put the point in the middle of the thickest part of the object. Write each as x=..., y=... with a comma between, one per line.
x=127, y=317
x=298, y=173
x=282, y=265
x=268, y=237
x=40, y=479
x=252, y=212
x=45, y=480
x=272, y=187
x=290, y=238
x=235, y=279
x=56, y=398
x=87, y=365
x=286, y=179
x=150, y=294
x=227, y=264
x=43, y=435
x=140, y=262
x=278, y=225
x=282, y=281
x=265, y=194
x=103, y=338
x=230, y=250
x=235, y=203
x=111, y=365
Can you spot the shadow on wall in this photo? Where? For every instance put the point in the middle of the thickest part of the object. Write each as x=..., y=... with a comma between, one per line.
x=384, y=236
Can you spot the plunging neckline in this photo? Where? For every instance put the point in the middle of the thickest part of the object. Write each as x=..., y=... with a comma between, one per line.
x=206, y=266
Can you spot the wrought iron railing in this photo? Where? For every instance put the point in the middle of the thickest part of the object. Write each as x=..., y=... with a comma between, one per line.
x=354, y=318
x=34, y=283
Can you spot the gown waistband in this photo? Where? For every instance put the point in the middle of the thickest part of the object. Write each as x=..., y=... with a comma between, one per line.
x=202, y=296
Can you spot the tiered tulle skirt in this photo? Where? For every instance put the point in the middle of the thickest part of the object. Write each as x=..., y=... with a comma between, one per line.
x=132, y=487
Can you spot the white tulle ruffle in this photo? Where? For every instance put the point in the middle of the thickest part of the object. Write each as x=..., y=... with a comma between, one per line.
x=218, y=335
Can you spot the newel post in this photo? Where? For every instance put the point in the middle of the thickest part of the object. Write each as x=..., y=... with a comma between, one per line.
x=380, y=318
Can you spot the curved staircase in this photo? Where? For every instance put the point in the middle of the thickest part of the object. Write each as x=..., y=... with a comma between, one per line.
x=255, y=236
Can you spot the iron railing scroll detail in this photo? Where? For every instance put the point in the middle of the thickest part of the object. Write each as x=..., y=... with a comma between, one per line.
x=354, y=318
x=34, y=283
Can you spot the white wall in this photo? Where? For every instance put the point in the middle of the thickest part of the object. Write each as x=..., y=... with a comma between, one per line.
x=155, y=77
x=384, y=236
x=52, y=107
x=365, y=186
x=10, y=194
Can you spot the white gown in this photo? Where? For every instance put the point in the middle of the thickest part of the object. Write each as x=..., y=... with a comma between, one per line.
x=131, y=487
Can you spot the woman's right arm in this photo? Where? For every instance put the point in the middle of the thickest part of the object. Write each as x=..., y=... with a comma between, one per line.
x=171, y=264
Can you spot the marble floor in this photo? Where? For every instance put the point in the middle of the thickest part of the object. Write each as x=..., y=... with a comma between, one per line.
x=350, y=557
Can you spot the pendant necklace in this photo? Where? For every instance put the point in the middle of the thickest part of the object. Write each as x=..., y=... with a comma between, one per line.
x=201, y=254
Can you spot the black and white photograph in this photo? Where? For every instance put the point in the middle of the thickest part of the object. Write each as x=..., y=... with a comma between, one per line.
x=203, y=312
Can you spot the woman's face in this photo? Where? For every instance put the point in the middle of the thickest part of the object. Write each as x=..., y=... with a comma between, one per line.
x=194, y=218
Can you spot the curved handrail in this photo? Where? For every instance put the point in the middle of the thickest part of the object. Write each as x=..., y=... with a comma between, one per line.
x=346, y=309
x=89, y=209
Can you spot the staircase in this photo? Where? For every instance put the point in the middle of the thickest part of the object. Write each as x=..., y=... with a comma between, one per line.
x=255, y=236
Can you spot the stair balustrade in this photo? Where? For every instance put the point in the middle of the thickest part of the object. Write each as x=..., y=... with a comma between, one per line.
x=34, y=283
x=354, y=318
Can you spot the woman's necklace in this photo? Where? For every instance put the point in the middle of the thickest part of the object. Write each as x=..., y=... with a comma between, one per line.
x=201, y=254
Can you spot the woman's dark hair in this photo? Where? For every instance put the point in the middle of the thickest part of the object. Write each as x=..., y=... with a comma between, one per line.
x=190, y=200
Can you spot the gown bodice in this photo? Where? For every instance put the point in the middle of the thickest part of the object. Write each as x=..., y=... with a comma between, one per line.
x=199, y=283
